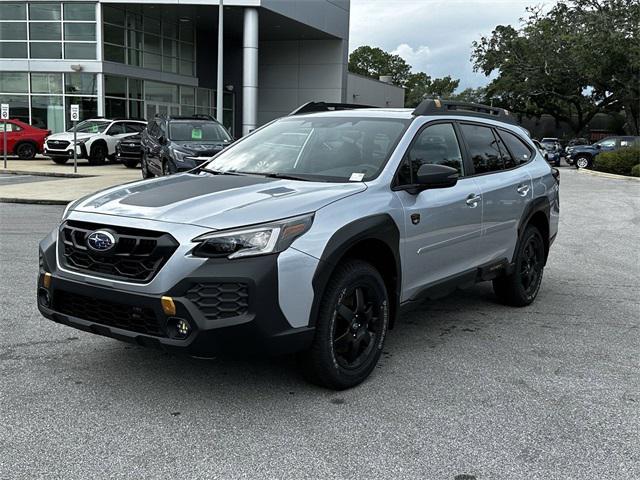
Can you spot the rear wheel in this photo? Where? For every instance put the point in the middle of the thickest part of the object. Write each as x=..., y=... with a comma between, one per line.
x=582, y=161
x=59, y=160
x=521, y=287
x=26, y=151
x=98, y=154
x=350, y=329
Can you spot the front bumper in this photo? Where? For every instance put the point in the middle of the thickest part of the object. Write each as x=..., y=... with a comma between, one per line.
x=258, y=326
x=81, y=151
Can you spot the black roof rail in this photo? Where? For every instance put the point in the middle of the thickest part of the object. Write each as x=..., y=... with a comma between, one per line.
x=311, y=107
x=451, y=107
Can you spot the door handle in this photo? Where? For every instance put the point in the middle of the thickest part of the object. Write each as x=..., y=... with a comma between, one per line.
x=473, y=200
x=523, y=190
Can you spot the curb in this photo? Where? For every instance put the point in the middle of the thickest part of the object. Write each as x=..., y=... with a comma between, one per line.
x=45, y=174
x=608, y=175
x=34, y=201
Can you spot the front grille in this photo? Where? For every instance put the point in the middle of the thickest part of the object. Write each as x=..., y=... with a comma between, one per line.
x=137, y=256
x=112, y=314
x=131, y=149
x=58, y=144
x=220, y=300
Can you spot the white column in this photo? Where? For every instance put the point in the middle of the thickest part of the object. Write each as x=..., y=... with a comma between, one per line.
x=250, y=71
x=220, y=81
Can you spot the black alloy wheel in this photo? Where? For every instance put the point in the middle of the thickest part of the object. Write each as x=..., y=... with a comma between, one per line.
x=356, y=328
x=26, y=151
x=531, y=264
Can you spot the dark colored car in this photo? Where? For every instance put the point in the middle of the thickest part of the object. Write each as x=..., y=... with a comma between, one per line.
x=582, y=156
x=23, y=140
x=551, y=151
x=129, y=151
x=178, y=144
x=573, y=143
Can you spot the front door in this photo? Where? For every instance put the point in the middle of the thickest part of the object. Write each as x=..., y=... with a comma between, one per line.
x=442, y=226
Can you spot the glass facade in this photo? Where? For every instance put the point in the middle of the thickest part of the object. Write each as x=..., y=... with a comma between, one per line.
x=148, y=37
x=48, y=30
x=44, y=99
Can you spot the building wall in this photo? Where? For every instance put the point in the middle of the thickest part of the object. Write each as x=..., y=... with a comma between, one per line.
x=295, y=72
x=368, y=91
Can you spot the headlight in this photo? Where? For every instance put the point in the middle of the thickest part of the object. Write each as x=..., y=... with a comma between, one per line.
x=81, y=142
x=273, y=237
x=179, y=155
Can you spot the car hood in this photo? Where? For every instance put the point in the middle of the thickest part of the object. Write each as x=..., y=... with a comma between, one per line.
x=208, y=148
x=68, y=136
x=216, y=201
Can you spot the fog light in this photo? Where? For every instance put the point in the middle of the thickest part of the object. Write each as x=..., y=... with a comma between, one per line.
x=178, y=328
x=43, y=297
x=46, y=280
x=168, y=306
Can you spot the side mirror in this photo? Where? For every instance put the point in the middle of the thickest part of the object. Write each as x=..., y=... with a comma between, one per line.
x=598, y=146
x=436, y=176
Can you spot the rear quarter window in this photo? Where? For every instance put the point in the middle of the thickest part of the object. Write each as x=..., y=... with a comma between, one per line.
x=520, y=151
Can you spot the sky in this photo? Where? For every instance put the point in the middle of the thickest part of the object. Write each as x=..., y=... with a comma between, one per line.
x=433, y=36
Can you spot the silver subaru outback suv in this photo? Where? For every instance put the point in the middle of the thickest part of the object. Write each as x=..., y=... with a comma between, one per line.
x=309, y=235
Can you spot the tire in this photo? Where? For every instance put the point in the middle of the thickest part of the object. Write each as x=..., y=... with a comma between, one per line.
x=98, y=154
x=144, y=167
x=130, y=163
x=59, y=160
x=168, y=168
x=582, y=161
x=521, y=287
x=26, y=151
x=351, y=327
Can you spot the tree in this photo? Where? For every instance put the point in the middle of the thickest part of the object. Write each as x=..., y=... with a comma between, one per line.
x=420, y=86
x=578, y=59
x=374, y=62
x=472, y=95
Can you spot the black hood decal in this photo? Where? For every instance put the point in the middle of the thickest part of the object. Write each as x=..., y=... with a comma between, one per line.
x=181, y=187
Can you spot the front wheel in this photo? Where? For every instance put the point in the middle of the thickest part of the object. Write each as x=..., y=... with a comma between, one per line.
x=521, y=287
x=582, y=161
x=98, y=155
x=350, y=329
x=130, y=163
x=144, y=168
x=59, y=160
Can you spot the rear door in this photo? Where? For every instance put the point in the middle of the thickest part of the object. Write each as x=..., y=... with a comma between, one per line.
x=442, y=226
x=505, y=186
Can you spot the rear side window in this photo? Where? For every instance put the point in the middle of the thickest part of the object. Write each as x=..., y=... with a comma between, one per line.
x=519, y=150
x=483, y=148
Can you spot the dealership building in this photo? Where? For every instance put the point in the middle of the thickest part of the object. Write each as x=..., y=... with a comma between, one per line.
x=137, y=59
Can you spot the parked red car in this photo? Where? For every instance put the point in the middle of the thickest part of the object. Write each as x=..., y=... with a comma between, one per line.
x=23, y=140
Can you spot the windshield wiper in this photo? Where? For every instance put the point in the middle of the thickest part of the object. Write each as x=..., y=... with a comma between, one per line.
x=284, y=176
x=220, y=172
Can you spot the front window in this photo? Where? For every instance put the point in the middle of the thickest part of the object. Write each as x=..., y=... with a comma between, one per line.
x=185, y=131
x=318, y=148
x=607, y=142
x=92, y=126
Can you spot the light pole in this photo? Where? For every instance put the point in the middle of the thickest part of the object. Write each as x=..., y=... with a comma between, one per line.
x=220, y=87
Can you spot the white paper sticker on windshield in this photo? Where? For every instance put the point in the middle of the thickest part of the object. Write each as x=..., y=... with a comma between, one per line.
x=356, y=177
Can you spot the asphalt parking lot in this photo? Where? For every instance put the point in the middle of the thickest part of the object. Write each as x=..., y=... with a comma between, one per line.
x=467, y=388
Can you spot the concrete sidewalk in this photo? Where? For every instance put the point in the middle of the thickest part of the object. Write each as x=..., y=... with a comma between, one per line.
x=61, y=190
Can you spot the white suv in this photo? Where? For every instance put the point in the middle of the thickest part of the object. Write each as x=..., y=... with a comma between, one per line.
x=96, y=140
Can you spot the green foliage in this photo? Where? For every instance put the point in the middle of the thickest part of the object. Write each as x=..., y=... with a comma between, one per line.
x=635, y=171
x=621, y=162
x=580, y=58
x=420, y=86
x=374, y=62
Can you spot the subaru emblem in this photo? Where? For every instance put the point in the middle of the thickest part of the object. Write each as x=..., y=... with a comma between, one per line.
x=101, y=241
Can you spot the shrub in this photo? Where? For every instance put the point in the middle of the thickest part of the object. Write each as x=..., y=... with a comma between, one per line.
x=620, y=162
x=635, y=171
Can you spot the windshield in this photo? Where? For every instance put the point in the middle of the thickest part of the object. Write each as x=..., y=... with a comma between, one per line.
x=197, y=131
x=317, y=148
x=91, y=126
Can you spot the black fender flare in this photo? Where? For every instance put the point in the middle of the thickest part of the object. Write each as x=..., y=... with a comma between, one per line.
x=380, y=227
x=540, y=204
